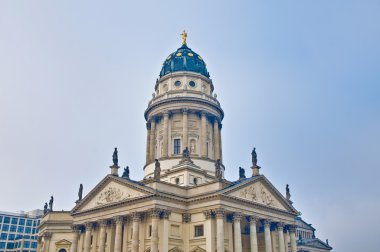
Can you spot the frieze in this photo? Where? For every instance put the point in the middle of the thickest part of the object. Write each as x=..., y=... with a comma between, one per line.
x=113, y=194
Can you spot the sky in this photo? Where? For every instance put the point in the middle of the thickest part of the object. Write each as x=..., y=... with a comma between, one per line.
x=299, y=80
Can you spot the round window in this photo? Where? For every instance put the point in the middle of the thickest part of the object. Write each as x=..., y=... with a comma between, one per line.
x=177, y=83
x=192, y=84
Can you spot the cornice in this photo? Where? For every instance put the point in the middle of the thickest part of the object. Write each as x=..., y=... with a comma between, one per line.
x=183, y=100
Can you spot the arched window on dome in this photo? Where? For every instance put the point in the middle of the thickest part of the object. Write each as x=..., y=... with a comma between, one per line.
x=62, y=250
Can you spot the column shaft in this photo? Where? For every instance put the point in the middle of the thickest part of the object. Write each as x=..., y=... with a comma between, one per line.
x=135, y=232
x=74, y=245
x=220, y=230
x=152, y=139
x=87, y=239
x=185, y=129
x=147, y=158
x=253, y=234
x=118, y=234
x=293, y=243
x=281, y=242
x=204, y=134
x=220, y=143
x=216, y=139
x=268, y=240
x=154, y=237
x=237, y=233
x=287, y=241
x=102, y=235
x=166, y=135
x=165, y=232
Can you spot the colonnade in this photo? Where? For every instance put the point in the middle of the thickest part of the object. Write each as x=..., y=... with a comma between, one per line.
x=119, y=233
x=283, y=238
x=165, y=119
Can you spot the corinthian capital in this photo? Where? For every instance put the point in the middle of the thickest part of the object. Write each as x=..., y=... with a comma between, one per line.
x=237, y=216
x=136, y=216
x=219, y=213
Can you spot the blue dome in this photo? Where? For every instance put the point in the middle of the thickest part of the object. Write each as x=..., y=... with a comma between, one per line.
x=184, y=59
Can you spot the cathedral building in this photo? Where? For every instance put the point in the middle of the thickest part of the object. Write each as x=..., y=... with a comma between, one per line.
x=183, y=202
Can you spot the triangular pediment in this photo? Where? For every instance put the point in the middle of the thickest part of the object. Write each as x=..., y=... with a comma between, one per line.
x=62, y=242
x=112, y=190
x=198, y=249
x=260, y=191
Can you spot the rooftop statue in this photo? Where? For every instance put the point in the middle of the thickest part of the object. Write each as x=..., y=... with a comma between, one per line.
x=184, y=36
x=51, y=204
x=186, y=153
x=254, y=157
x=157, y=170
x=287, y=192
x=115, y=158
x=45, y=208
x=126, y=173
x=80, y=192
x=241, y=173
x=218, y=170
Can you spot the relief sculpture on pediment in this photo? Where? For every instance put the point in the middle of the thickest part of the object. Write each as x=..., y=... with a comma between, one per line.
x=266, y=197
x=112, y=194
x=249, y=193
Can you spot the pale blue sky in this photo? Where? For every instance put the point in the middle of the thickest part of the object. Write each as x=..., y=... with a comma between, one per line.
x=297, y=79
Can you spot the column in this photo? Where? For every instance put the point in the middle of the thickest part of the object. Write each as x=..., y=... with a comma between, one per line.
x=152, y=138
x=219, y=214
x=293, y=243
x=165, y=233
x=186, y=220
x=185, y=129
x=118, y=233
x=47, y=238
x=147, y=143
x=165, y=137
x=287, y=240
x=155, y=214
x=220, y=142
x=102, y=235
x=39, y=240
x=209, y=234
x=74, y=245
x=87, y=239
x=125, y=235
x=216, y=139
x=237, y=232
x=204, y=134
x=136, y=217
x=268, y=240
x=281, y=241
x=253, y=233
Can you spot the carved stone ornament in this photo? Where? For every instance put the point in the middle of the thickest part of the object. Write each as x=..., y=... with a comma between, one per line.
x=113, y=194
x=103, y=223
x=237, y=217
x=219, y=213
x=267, y=222
x=118, y=219
x=208, y=214
x=186, y=217
x=249, y=193
x=136, y=216
x=155, y=213
x=166, y=214
x=253, y=219
x=266, y=197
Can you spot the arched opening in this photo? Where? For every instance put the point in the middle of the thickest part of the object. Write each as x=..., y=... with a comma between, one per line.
x=62, y=250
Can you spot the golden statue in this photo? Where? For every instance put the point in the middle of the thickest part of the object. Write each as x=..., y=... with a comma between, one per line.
x=184, y=36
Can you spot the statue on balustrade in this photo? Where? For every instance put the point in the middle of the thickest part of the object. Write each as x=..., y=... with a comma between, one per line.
x=157, y=170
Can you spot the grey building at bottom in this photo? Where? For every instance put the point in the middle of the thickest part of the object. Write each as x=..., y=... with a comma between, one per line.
x=18, y=231
x=307, y=242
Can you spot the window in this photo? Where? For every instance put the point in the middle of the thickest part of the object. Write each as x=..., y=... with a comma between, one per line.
x=1, y=218
x=28, y=230
x=177, y=146
x=14, y=221
x=177, y=181
x=26, y=244
x=5, y=227
x=13, y=228
x=11, y=237
x=2, y=245
x=20, y=229
x=195, y=181
x=198, y=230
x=21, y=222
x=34, y=245
x=62, y=250
x=3, y=236
x=10, y=245
x=29, y=223
x=6, y=219
x=150, y=231
x=33, y=231
x=192, y=84
x=177, y=83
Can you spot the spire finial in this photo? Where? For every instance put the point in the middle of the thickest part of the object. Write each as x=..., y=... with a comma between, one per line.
x=184, y=36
